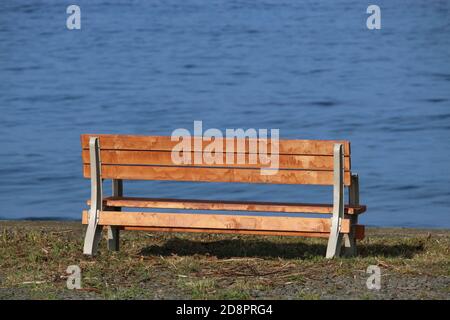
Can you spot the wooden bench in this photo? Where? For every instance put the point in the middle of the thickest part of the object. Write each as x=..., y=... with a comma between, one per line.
x=316, y=162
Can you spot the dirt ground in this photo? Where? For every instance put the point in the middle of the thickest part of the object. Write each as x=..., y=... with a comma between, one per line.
x=34, y=256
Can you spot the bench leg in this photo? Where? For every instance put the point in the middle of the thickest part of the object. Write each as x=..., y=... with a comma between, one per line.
x=350, y=239
x=114, y=232
x=94, y=231
x=93, y=235
x=335, y=240
x=353, y=199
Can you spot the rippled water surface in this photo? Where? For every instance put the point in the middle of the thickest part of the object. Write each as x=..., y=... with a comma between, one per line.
x=310, y=68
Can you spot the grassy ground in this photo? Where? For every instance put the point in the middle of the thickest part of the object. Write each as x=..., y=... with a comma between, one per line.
x=34, y=256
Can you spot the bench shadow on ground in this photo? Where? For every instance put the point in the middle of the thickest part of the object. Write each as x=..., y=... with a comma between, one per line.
x=268, y=249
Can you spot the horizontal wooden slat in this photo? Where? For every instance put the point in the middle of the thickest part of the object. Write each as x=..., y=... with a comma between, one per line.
x=359, y=232
x=190, y=204
x=164, y=143
x=232, y=231
x=216, y=175
x=165, y=158
x=215, y=221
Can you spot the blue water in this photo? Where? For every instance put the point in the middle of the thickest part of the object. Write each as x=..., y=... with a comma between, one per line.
x=310, y=68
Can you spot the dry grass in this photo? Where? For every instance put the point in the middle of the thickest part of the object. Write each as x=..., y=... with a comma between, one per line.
x=34, y=257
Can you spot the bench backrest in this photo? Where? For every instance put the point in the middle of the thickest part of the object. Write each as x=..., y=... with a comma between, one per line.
x=149, y=158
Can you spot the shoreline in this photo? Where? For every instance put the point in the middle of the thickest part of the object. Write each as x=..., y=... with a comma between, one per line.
x=73, y=220
x=34, y=255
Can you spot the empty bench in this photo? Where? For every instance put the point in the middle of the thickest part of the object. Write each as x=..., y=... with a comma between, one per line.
x=312, y=162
